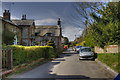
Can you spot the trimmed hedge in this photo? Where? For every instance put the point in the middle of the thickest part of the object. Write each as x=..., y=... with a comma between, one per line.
x=26, y=54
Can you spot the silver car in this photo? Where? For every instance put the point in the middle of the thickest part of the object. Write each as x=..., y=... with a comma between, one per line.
x=86, y=53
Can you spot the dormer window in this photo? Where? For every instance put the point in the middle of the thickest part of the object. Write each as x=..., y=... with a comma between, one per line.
x=49, y=34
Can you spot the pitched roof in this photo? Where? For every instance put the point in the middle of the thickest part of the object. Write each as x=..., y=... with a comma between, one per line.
x=47, y=26
x=8, y=21
x=44, y=29
x=23, y=22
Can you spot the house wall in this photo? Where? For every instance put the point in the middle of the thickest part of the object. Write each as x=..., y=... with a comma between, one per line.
x=27, y=34
x=42, y=39
x=12, y=28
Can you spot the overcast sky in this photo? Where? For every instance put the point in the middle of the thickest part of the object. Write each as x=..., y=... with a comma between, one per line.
x=47, y=13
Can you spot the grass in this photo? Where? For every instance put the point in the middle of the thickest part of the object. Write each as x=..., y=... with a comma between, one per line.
x=111, y=59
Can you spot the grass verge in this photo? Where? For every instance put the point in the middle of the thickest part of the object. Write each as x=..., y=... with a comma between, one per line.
x=111, y=60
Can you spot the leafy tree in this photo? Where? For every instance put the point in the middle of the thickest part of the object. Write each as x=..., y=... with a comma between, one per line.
x=104, y=30
x=7, y=37
x=66, y=41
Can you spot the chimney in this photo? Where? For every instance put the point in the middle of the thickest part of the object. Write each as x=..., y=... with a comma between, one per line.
x=24, y=17
x=6, y=15
x=59, y=22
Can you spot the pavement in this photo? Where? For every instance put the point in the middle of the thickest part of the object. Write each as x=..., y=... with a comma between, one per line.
x=67, y=66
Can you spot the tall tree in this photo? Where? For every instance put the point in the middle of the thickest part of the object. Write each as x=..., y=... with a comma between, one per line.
x=104, y=30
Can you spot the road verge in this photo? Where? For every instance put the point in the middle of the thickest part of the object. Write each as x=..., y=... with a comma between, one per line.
x=114, y=73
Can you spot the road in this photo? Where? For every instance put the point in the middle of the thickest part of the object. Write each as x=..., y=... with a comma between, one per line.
x=67, y=66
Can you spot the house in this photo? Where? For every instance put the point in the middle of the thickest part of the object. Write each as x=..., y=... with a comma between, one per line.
x=29, y=33
x=43, y=33
x=27, y=28
x=7, y=23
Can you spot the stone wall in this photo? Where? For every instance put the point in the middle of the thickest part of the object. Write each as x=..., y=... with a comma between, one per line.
x=99, y=50
x=108, y=49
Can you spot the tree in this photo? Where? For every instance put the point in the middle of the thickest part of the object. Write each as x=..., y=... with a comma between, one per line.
x=7, y=37
x=104, y=30
x=66, y=40
x=85, y=8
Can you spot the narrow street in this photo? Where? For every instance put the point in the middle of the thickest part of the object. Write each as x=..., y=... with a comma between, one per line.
x=67, y=66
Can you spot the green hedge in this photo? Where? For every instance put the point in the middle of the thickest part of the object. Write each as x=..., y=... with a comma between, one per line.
x=26, y=54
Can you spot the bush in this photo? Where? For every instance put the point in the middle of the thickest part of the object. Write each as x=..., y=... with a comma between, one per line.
x=7, y=37
x=26, y=54
x=81, y=43
x=51, y=43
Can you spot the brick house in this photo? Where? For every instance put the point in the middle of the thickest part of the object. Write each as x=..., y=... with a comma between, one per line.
x=7, y=23
x=27, y=27
x=43, y=33
x=29, y=33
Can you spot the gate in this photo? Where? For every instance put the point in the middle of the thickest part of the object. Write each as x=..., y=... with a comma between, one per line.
x=7, y=59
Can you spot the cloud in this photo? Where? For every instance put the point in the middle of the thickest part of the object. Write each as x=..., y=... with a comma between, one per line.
x=14, y=17
x=71, y=31
x=46, y=21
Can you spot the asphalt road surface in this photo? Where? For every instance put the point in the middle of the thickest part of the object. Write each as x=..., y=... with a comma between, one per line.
x=67, y=66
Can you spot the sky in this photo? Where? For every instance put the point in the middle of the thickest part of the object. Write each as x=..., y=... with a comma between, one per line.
x=47, y=13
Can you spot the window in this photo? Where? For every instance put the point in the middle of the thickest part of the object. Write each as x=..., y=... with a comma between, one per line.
x=14, y=29
x=86, y=50
x=49, y=34
x=25, y=32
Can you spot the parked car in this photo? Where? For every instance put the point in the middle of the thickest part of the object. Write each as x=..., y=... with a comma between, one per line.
x=65, y=47
x=74, y=48
x=86, y=53
x=78, y=48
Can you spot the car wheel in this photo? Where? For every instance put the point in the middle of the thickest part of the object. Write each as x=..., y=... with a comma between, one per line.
x=93, y=59
x=79, y=58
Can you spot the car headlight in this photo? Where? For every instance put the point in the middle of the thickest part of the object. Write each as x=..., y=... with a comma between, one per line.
x=91, y=53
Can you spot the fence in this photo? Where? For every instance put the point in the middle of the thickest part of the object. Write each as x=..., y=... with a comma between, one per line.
x=7, y=58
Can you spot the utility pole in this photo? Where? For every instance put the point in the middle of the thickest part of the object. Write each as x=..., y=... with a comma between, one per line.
x=75, y=36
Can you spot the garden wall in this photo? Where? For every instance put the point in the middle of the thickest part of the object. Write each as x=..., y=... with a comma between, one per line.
x=108, y=49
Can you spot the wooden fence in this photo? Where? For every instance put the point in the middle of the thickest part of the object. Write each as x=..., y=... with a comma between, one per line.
x=7, y=58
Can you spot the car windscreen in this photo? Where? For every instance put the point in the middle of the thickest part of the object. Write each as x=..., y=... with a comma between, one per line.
x=86, y=50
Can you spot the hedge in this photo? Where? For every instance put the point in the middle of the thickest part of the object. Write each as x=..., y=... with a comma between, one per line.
x=26, y=54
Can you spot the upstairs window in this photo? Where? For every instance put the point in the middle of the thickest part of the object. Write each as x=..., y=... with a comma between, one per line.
x=49, y=34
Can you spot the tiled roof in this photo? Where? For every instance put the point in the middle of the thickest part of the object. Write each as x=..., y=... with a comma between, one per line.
x=23, y=22
x=44, y=29
x=47, y=26
x=10, y=22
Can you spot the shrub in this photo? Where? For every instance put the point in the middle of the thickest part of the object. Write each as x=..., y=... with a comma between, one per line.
x=26, y=54
x=51, y=43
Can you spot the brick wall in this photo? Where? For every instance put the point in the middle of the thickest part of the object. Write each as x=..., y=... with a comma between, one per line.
x=108, y=49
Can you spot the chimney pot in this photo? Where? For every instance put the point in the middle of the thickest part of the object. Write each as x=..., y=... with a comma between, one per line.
x=23, y=17
x=59, y=22
x=5, y=10
x=6, y=15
